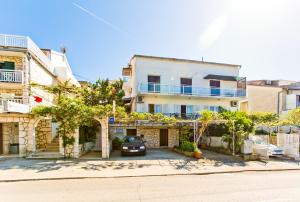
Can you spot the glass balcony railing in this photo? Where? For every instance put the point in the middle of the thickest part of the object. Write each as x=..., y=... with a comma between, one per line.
x=189, y=90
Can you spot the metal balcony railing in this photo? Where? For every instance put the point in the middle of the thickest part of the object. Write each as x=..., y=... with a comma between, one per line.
x=16, y=99
x=11, y=76
x=26, y=43
x=163, y=89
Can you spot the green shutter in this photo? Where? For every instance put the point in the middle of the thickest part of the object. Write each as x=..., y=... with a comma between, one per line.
x=9, y=65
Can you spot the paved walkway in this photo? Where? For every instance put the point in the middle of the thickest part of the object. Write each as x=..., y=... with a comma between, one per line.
x=22, y=169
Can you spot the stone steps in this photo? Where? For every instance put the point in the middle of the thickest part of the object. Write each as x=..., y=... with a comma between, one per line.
x=45, y=155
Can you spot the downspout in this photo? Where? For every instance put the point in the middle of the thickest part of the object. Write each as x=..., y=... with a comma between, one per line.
x=278, y=102
x=29, y=77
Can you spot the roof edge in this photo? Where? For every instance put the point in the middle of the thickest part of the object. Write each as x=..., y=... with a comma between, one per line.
x=184, y=60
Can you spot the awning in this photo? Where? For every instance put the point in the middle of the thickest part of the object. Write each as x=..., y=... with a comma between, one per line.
x=221, y=77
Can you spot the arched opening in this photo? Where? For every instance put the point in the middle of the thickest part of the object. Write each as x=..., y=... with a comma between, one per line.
x=90, y=141
x=46, y=138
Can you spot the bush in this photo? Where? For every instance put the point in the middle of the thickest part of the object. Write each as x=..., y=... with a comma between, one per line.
x=217, y=129
x=187, y=146
x=116, y=143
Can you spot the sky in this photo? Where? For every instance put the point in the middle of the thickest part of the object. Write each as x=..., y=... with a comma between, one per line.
x=101, y=36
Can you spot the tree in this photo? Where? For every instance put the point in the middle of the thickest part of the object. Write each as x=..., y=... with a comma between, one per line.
x=294, y=117
x=103, y=92
x=240, y=126
x=72, y=109
x=206, y=117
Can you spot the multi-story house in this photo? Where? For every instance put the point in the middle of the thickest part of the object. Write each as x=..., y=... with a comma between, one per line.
x=179, y=88
x=276, y=96
x=23, y=63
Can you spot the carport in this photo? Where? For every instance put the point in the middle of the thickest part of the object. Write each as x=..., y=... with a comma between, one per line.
x=152, y=154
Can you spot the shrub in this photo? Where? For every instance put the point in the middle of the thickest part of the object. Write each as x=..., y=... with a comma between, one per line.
x=187, y=146
x=116, y=143
x=217, y=129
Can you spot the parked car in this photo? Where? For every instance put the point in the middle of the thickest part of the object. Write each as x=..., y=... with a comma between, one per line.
x=133, y=145
x=269, y=149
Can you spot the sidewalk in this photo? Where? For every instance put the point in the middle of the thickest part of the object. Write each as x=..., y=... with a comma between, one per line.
x=15, y=169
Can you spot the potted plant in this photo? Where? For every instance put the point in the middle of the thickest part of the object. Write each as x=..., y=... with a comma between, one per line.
x=197, y=152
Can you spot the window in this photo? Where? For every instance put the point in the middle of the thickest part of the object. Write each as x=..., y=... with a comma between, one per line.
x=7, y=65
x=154, y=84
x=189, y=109
x=155, y=108
x=298, y=101
x=186, y=85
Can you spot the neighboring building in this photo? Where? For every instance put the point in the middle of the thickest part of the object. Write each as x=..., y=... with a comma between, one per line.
x=179, y=88
x=276, y=96
x=22, y=62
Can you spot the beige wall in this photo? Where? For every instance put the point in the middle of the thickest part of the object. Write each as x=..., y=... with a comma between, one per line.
x=263, y=98
x=18, y=60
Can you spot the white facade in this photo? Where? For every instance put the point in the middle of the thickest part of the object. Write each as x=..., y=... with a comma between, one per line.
x=29, y=64
x=170, y=95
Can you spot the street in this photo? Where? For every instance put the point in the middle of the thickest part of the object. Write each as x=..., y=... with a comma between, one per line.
x=246, y=186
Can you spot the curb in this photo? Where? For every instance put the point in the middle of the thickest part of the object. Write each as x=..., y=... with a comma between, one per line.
x=164, y=175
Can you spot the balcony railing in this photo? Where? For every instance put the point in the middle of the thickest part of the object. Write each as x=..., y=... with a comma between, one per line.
x=11, y=76
x=189, y=90
x=26, y=43
x=16, y=99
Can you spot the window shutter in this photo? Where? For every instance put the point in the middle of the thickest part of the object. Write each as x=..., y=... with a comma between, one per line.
x=9, y=65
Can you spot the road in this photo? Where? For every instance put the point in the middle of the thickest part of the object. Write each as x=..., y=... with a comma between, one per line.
x=248, y=186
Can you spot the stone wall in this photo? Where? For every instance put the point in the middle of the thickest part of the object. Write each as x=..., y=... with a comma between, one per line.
x=26, y=131
x=10, y=135
x=173, y=137
x=152, y=137
x=43, y=134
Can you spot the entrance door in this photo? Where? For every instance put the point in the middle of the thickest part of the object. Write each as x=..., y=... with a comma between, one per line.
x=183, y=111
x=163, y=137
x=1, y=139
x=131, y=132
x=215, y=88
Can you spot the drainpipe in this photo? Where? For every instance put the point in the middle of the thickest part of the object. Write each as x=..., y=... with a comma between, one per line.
x=28, y=76
x=278, y=102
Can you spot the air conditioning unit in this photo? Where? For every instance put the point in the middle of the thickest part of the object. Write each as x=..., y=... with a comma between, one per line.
x=234, y=103
x=140, y=99
x=268, y=82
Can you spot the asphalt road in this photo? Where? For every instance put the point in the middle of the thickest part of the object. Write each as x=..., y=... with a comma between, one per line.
x=248, y=186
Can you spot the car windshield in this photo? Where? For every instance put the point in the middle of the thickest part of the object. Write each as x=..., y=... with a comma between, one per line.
x=132, y=139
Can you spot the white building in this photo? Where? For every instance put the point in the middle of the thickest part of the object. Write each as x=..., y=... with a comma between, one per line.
x=181, y=87
x=22, y=63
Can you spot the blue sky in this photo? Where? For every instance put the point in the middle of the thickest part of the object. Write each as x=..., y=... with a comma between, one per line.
x=101, y=36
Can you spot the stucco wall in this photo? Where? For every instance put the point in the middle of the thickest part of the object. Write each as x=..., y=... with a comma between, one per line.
x=170, y=72
x=263, y=98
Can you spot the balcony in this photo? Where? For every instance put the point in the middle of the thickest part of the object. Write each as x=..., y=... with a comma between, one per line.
x=162, y=89
x=14, y=104
x=23, y=42
x=11, y=76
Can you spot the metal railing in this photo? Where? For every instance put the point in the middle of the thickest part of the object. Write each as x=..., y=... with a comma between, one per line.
x=16, y=99
x=189, y=90
x=11, y=76
x=25, y=42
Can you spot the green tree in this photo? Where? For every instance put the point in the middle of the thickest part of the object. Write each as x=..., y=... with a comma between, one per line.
x=294, y=117
x=240, y=126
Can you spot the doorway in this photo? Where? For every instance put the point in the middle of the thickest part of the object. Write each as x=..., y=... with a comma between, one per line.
x=163, y=137
x=131, y=132
x=215, y=87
